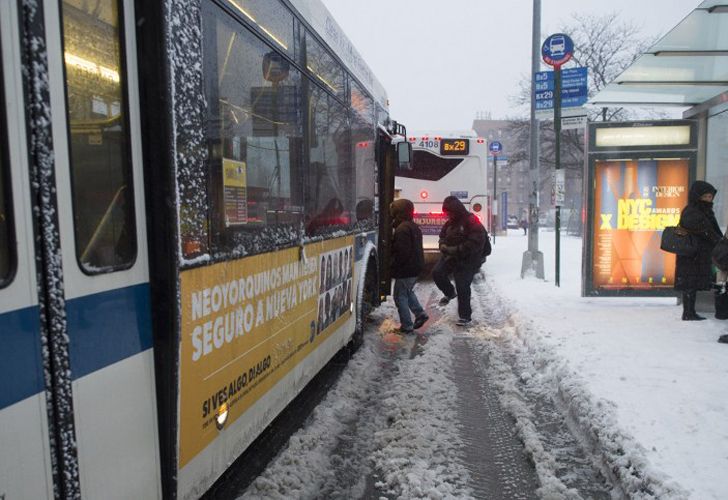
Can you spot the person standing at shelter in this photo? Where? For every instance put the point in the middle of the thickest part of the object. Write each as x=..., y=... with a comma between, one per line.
x=408, y=260
x=462, y=240
x=694, y=273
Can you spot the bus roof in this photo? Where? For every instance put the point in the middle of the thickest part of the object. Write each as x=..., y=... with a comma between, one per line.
x=450, y=134
x=315, y=13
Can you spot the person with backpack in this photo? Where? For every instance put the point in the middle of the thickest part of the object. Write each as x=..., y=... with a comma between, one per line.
x=408, y=260
x=463, y=244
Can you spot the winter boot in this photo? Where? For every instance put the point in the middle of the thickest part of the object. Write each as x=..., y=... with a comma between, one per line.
x=420, y=320
x=446, y=300
x=689, y=313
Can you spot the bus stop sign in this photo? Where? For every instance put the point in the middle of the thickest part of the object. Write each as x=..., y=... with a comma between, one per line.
x=495, y=147
x=557, y=50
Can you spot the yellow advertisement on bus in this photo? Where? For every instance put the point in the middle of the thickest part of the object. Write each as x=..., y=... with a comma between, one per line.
x=247, y=323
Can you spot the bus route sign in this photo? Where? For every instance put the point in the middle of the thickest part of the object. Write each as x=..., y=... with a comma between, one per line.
x=574, y=88
x=557, y=49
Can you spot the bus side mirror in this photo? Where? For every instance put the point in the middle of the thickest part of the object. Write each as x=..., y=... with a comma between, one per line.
x=404, y=155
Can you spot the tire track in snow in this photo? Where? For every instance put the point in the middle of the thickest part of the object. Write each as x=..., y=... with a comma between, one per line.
x=494, y=456
x=565, y=463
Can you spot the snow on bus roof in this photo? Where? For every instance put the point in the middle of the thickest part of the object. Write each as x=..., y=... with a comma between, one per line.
x=459, y=134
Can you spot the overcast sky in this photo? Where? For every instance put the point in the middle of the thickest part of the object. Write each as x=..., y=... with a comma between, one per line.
x=441, y=62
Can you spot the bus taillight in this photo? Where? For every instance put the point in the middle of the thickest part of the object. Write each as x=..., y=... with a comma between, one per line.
x=477, y=207
x=424, y=194
x=481, y=140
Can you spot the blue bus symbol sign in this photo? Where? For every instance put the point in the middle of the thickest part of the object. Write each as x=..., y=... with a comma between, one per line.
x=495, y=147
x=557, y=49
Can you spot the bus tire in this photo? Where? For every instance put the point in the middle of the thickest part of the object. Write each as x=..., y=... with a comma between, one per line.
x=368, y=301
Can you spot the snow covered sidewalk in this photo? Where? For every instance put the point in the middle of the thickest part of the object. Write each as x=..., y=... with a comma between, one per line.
x=662, y=382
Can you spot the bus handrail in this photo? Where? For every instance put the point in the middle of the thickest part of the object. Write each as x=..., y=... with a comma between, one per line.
x=102, y=223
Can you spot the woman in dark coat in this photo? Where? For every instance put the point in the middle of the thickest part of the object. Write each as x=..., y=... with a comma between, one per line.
x=694, y=273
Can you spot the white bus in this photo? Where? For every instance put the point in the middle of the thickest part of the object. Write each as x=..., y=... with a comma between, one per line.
x=189, y=232
x=444, y=164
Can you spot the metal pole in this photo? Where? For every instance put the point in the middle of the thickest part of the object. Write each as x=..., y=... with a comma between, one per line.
x=557, y=167
x=533, y=258
x=495, y=197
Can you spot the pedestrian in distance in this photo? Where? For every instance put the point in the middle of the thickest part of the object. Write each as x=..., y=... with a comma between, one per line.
x=524, y=226
x=462, y=244
x=408, y=260
x=693, y=273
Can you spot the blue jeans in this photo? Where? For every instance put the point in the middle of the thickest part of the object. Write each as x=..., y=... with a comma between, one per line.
x=463, y=278
x=406, y=301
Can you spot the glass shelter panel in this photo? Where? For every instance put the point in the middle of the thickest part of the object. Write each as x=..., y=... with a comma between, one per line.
x=101, y=177
x=717, y=159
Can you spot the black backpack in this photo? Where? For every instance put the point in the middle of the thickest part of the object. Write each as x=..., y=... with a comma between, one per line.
x=487, y=248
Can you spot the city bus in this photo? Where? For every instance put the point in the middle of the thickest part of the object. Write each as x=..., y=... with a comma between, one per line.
x=190, y=229
x=444, y=163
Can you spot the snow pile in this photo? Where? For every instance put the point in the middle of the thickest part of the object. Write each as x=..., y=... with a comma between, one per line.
x=644, y=388
x=301, y=470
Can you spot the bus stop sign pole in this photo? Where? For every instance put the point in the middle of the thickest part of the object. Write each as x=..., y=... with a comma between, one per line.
x=557, y=50
x=557, y=167
x=495, y=147
x=532, y=258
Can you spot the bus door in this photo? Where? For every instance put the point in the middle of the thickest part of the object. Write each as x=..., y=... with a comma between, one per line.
x=25, y=451
x=101, y=219
x=386, y=166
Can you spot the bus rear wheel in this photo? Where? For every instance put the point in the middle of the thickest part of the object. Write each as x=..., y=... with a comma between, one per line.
x=369, y=300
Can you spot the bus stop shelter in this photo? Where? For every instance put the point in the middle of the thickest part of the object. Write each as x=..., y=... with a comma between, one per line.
x=687, y=68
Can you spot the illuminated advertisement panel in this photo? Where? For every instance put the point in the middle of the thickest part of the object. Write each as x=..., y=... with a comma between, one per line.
x=633, y=201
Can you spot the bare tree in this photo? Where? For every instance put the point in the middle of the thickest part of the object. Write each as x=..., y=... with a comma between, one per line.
x=607, y=45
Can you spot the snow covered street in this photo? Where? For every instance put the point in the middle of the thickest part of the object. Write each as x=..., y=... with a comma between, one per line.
x=548, y=395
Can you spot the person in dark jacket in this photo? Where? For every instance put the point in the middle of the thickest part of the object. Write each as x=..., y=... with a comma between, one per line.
x=694, y=273
x=462, y=240
x=408, y=260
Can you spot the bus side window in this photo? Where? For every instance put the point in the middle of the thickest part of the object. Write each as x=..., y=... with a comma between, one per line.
x=324, y=67
x=100, y=156
x=254, y=132
x=7, y=248
x=363, y=139
x=329, y=180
